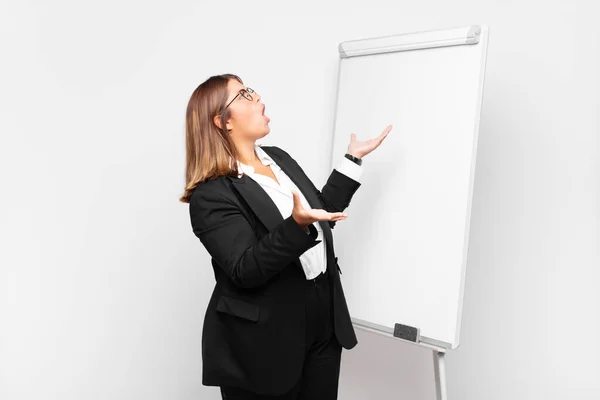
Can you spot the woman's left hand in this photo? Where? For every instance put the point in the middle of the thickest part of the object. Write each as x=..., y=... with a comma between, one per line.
x=361, y=149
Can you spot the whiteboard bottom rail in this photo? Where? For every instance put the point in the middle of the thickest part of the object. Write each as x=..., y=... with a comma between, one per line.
x=389, y=332
x=439, y=355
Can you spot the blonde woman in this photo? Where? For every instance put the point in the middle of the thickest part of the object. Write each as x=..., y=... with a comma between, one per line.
x=277, y=318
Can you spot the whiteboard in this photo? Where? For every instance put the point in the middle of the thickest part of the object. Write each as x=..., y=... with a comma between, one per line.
x=403, y=248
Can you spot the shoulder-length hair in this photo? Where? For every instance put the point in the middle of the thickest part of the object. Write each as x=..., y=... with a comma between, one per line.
x=210, y=151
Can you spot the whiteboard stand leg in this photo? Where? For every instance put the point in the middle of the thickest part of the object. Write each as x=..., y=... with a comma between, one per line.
x=439, y=367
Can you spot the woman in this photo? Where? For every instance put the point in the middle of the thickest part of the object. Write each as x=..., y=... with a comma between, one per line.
x=277, y=318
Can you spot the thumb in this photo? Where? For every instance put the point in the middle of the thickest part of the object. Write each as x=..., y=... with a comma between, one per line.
x=297, y=203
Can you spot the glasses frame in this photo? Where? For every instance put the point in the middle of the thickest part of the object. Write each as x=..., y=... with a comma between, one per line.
x=245, y=93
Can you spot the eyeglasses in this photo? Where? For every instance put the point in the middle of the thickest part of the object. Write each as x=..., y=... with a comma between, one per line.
x=245, y=93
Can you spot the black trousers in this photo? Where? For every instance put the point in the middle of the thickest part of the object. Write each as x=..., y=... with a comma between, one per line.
x=321, y=370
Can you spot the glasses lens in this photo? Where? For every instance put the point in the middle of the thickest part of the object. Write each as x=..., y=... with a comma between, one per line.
x=246, y=93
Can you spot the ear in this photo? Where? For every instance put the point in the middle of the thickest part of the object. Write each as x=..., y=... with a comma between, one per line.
x=217, y=121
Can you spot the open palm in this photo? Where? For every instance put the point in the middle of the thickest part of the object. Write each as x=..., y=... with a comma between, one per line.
x=360, y=149
x=306, y=216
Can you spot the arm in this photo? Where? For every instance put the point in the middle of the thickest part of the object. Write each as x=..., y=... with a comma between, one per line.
x=338, y=191
x=231, y=242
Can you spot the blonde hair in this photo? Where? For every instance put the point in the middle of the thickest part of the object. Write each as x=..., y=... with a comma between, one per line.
x=210, y=151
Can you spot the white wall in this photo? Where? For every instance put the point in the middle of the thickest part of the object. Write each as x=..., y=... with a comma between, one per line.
x=103, y=285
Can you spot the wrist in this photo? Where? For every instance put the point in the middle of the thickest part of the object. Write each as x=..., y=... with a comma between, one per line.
x=303, y=226
x=352, y=157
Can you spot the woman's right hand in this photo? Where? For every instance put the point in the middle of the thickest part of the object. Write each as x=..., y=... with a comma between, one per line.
x=305, y=217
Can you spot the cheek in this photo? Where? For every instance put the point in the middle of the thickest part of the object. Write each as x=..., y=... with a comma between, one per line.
x=244, y=115
x=247, y=117
x=251, y=117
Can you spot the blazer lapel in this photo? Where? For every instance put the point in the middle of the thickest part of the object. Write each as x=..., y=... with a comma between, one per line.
x=305, y=186
x=300, y=180
x=259, y=201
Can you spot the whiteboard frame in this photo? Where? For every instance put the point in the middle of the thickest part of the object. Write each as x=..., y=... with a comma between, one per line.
x=467, y=35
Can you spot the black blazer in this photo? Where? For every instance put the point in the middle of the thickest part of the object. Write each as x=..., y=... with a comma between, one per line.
x=254, y=327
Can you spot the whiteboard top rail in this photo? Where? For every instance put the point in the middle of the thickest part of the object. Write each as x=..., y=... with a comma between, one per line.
x=411, y=41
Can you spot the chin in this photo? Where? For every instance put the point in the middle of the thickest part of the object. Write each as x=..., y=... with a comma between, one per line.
x=265, y=133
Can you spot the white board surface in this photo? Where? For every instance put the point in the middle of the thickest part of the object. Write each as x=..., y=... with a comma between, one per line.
x=403, y=247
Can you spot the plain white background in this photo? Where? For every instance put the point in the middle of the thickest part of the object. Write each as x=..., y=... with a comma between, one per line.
x=103, y=285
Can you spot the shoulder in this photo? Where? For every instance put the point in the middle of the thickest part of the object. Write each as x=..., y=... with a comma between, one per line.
x=214, y=189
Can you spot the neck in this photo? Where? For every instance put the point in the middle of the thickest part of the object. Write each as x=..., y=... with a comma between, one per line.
x=246, y=153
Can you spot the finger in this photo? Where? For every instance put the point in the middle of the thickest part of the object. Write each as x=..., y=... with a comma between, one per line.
x=386, y=131
x=322, y=215
x=337, y=215
x=381, y=137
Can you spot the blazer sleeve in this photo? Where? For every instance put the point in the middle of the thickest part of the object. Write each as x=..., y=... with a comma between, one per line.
x=230, y=240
